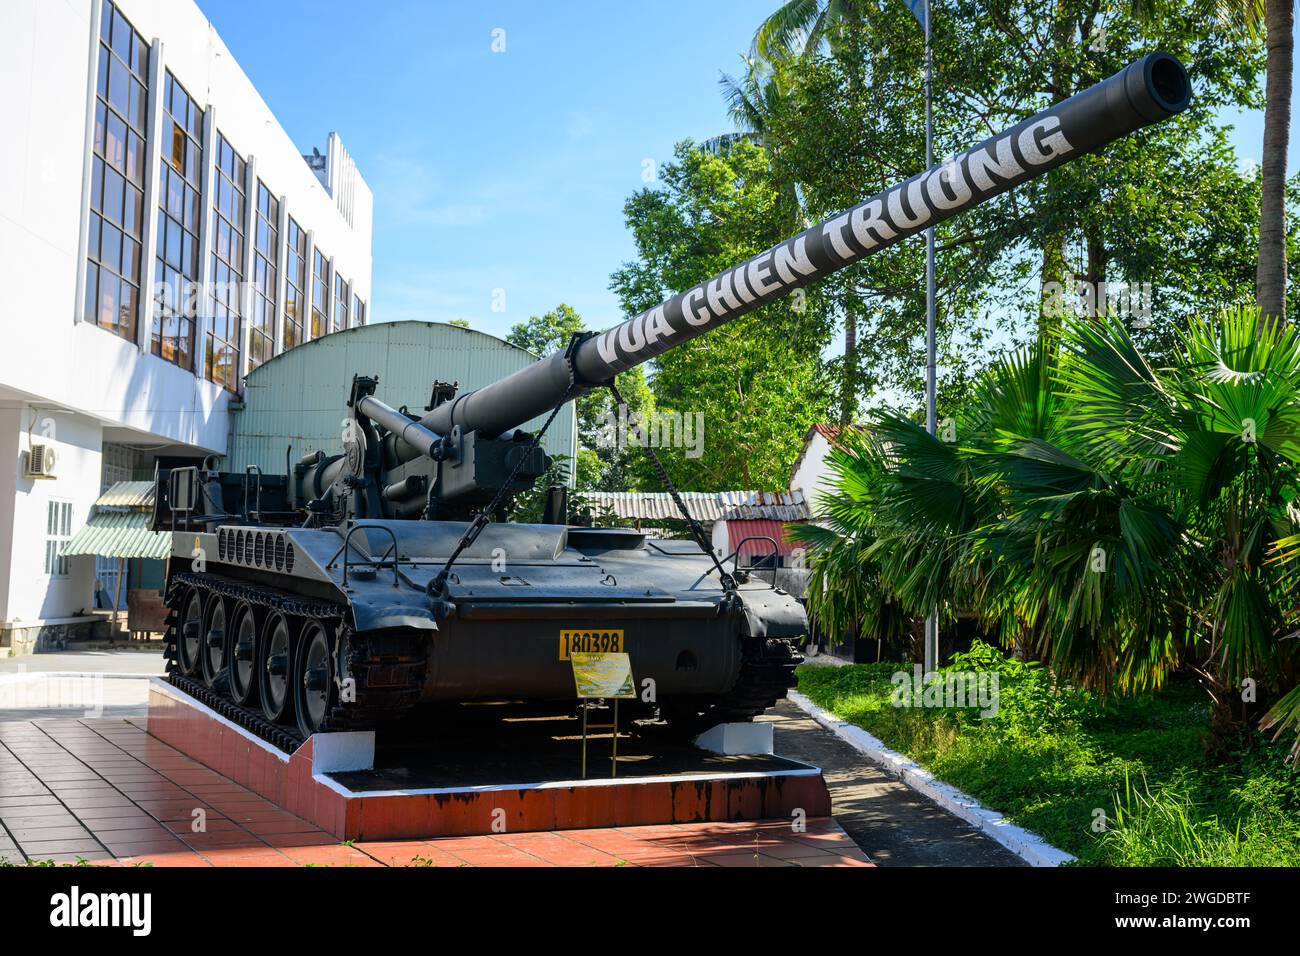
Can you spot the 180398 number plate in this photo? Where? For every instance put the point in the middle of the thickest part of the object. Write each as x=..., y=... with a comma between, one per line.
x=590, y=642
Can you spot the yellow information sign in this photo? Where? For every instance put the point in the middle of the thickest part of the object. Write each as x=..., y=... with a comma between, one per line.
x=602, y=674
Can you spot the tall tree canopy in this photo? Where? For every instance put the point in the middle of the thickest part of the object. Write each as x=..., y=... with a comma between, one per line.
x=758, y=381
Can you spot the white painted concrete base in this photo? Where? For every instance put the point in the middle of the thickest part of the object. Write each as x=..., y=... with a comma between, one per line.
x=737, y=739
x=341, y=752
x=1030, y=847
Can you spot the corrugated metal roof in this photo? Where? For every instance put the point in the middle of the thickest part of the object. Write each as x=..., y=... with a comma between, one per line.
x=123, y=534
x=703, y=505
x=299, y=398
x=128, y=494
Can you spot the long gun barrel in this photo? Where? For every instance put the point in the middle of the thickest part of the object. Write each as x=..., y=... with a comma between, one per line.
x=1147, y=91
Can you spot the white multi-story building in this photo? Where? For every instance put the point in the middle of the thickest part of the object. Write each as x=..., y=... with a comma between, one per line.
x=160, y=235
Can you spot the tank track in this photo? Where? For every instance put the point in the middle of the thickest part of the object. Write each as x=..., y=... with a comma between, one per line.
x=387, y=669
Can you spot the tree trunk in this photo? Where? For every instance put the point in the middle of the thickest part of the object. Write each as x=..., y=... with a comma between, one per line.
x=1053, y=294
x=849, y=396
x=1270, y=273
x=1095, y=278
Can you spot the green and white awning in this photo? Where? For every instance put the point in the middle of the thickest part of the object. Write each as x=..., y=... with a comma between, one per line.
x=119, y=526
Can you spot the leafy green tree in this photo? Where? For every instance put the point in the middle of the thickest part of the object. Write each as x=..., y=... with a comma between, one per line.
x=1143, y=209
x=1166, y=211
x=757, y=381
x=600, y=464
x=850, y=125
x=1273, y=21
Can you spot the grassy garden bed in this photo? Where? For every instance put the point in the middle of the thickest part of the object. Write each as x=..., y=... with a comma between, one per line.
x=1054, y=760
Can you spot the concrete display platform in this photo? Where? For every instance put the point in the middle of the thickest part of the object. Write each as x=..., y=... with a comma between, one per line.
x=516, y=779
x=105, y=791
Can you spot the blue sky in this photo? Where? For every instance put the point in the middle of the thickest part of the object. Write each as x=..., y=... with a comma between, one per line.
x=494, y=170
x=501, y=170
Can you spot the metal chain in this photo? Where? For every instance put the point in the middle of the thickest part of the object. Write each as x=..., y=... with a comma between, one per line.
x=697, y=532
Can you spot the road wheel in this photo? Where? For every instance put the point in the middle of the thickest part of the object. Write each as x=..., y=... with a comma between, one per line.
x=274, y=663
x=213, y=655
x=313, y=678
x=243, y=653
x=189, y=636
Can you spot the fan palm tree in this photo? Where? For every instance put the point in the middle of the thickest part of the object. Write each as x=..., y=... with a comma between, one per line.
x=1114, y=519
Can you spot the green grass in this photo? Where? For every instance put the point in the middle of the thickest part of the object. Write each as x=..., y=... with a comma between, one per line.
x=1122, y=782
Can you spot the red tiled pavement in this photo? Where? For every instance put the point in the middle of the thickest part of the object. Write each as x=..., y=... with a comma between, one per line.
x=106, y=792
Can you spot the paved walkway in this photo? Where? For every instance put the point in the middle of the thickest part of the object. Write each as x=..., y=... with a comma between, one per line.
x=35, y=686
x=106, y=792
x=891, y=822
x=103, y=662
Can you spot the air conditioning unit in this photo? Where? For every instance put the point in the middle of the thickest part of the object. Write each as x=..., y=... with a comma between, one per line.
x=40, y=462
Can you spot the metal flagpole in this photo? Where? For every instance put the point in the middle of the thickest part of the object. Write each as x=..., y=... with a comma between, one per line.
x=931, y=411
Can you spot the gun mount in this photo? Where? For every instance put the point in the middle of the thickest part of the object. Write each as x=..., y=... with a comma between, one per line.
x=327, y=597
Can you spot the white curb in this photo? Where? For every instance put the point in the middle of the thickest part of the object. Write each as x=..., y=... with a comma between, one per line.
x=1030, y=847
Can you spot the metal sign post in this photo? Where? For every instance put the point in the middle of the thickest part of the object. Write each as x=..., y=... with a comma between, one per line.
x=613, y=760
x=921, y=10
x=601, y=676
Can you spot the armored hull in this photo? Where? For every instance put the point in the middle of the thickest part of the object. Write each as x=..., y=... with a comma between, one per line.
x=294, y=630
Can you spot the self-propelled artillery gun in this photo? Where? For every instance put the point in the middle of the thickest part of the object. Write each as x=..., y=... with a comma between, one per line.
x=359, y=585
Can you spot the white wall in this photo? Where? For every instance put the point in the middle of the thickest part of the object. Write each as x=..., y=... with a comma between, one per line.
x=812, y=477
x=49, y=359
x=45, y=51
x=33, y=595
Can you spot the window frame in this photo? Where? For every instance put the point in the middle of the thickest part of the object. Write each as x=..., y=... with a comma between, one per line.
x=266, y=242
x=58, y=532
x=320, y=294
x=119, y=174
x=295, y=263
x=178, y=273
x=224, y=325
x=342, y=302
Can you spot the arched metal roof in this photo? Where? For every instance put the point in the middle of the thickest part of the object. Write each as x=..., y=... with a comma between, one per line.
x=299, y=398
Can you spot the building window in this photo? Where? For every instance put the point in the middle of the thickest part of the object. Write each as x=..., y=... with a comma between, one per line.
x=342, y=297
x=58, y=532
x=320, y=295
x=221, y=340
x=295, y=285
x=117, y=178
x=358, y=312
x=177, y=251
x=261, y=332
